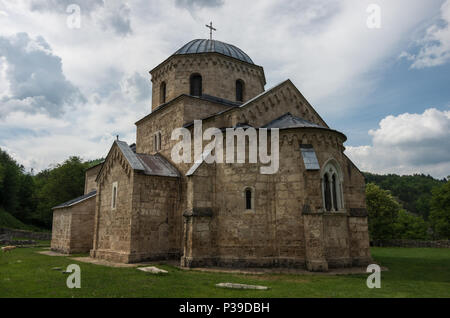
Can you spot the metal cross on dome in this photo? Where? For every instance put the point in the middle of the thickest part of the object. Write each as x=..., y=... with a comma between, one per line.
x=210, y=27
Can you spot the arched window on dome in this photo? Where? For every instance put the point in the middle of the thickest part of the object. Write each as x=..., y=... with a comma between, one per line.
x=332, y=187
x=162, y=93
x=240, y=90
x=196, y=85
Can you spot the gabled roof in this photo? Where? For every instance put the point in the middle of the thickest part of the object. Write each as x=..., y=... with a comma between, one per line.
x=204, y=97
x=76, y=200
x=157, y=165
x=290, y=121
x=152, y=165
x=266, y=92
x=131, y=157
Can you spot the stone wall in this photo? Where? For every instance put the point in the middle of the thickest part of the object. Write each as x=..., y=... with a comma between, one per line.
x=274, y=103
x=156, y=227
x=219, y=74
x=11, y=233
x=73, y=227
x=336, y=240
x=411, y=243
x=184, y=110
x=91, y=174
x=287, y=225
x=61, y=229
x=112, y=238
x=359, y=240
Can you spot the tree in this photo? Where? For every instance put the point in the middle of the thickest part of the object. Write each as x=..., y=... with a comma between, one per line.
x=440, y=211
x=413, y=192
x=409, y=226
x=383, y=210
x=58, y=185
x=10, y=173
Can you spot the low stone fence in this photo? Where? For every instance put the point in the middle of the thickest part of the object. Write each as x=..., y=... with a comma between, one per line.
x=17, y=243
x=410, y=243
x=8, y=234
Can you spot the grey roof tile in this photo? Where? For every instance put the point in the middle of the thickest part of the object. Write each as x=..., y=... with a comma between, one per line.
x=207, y=46
x=157, y=165
x=76, y=200
x=128, y=153
x=290, y=121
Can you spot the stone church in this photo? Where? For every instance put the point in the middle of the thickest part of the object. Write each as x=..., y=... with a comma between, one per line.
x=140, y=205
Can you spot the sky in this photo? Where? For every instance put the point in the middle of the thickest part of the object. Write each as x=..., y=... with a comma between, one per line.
x=74, y=73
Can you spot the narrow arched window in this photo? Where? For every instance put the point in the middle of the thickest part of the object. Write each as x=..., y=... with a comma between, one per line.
x=327, y=193
x=196, y=85
x=114, y=196
x=239, y=90
x=334, y=193
x=331, y=188
x=248, y=199
x=162, y=93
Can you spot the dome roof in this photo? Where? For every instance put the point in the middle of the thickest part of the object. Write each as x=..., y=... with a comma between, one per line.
x=206, y=46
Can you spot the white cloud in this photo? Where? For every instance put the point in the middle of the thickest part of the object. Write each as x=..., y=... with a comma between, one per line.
x=34, y=77
x=406, y=144
x=435, y=44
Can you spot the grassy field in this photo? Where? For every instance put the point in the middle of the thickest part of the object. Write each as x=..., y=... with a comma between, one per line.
x=413, y=272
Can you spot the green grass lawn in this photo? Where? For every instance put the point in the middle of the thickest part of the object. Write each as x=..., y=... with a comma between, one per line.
x=413, y=272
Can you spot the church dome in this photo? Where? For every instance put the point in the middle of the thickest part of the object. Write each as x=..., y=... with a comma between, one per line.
x=208, y=46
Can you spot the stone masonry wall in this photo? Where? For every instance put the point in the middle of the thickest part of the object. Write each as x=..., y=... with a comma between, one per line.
x=11, y=233
x=61, y=230
x=82, y=232
x=91, y=174
x=275, y=232
x=112, y=238
x=73, y=228
x=183, y=111
x=156, y=226
x=219, y=74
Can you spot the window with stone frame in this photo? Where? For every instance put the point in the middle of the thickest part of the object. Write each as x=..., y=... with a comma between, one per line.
x=162, y=93
x=249, y=198
x=332, y=188
x=157, y=141
x=240, y=90
x=196, y=85
x=114, y=196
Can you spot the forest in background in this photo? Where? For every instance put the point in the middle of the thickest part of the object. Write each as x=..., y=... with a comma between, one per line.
x=26, y=199
x=401, y=207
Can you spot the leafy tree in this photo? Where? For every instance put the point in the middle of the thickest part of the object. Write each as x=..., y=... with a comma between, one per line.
x=55, y=186
x=10, y=173
x=440, y=211
x=383, y=211
x=414, y=192
x=27, y=203
x=410, y=226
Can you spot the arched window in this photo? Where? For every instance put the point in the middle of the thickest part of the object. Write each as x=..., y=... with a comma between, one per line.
x=248, y=194
x=334, y=193
x=162, y=93
x=240, y=90
x=196, y=85
x=332, y=187
x=248, y=199
x=327, y=193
